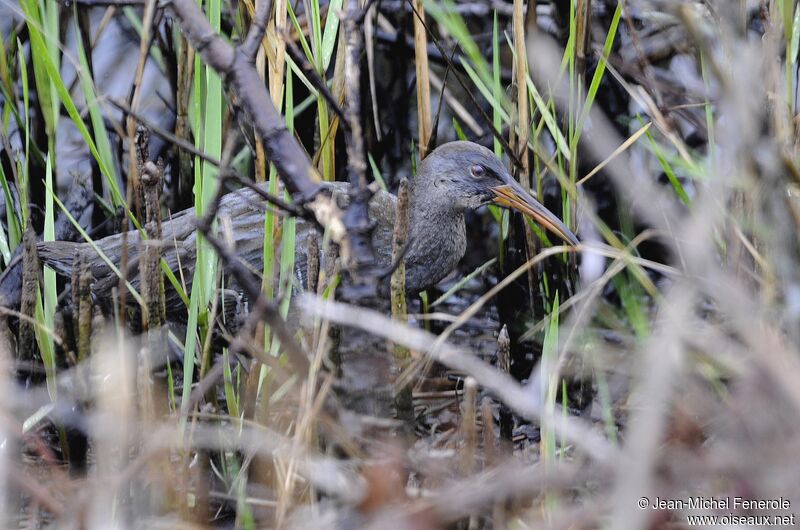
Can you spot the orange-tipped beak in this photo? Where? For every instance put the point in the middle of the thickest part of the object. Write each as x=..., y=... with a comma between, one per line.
x=513, y=196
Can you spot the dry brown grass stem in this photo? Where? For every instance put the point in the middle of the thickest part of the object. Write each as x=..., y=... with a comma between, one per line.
x=520, y=80
x=469, y=424
x=523, y=128
x=369, y=46
x=583, y=28
x=506, y=420
x=84, y=312
x=144, y=52
x=30, y=288
x=403, y=399
x=491, y=450
x=424, y=116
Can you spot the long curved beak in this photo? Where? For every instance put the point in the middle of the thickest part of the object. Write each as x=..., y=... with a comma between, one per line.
x=511, y=195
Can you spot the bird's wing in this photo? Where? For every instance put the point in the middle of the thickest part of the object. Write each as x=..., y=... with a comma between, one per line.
x=245, y=210
x=381, y=211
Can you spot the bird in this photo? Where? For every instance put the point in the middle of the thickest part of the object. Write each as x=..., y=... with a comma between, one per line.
x=455, y=177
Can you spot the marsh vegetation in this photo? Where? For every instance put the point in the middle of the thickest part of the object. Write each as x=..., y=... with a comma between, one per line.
x=198, y=329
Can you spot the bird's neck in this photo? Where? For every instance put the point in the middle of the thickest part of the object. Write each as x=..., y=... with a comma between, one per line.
x=437, y=241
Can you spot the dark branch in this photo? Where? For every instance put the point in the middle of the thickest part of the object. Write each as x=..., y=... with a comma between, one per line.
x=236, y=67
x=359, y=227
x=255, y=34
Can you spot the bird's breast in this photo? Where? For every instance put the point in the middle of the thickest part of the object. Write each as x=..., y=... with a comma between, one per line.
x=437, y=245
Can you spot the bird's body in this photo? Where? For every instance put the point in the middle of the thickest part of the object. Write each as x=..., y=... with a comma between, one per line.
x=455, y=177
x=178, y=247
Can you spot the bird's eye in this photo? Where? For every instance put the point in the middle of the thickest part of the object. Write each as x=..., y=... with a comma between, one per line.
x=477, y=170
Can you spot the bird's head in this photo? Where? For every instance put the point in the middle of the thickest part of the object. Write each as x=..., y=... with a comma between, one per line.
x=468, y=175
